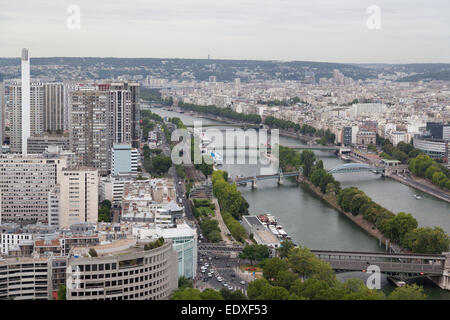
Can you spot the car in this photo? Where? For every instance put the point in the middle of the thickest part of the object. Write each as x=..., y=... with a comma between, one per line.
x=209, y=258
x=225, y=285
x=210, y=275
x=207, y=265
x=203, y=270
x=243, y=283
x=228, y=265
x=233, y=275
x=179, y=183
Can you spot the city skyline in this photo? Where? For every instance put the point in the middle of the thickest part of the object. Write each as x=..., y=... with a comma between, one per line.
x=276, y=30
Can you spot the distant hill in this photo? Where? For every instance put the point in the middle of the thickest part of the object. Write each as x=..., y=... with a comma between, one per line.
x=224, y=70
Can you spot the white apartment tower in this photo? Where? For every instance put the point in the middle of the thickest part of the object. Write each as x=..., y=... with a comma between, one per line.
x=78, y=197
x=26, y=112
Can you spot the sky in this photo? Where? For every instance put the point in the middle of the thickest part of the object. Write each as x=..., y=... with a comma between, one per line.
x=410, y=31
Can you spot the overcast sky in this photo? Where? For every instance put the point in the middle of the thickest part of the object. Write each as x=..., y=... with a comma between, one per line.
x=316, y=30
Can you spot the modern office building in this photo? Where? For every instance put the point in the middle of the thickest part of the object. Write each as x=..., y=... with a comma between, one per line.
x=89, y=129
x=25, y=183
x=53, y=111
x=434, y=148
x=120, y=113
x=125, y=112
x=184, y=240
x=347, y=136
x=124, y=159
x=122, y=270
x=435, y=129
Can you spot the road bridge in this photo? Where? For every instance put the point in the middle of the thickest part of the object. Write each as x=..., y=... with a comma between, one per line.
x=402, y=266
x=356, y=167
x=279, y=176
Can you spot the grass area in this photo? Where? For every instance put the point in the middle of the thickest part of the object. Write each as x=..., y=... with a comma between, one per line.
x=203, y=208
x=203, y=211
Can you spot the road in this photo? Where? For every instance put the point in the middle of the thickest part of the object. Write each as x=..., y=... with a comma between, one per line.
x=221, y=265
x=408, y=179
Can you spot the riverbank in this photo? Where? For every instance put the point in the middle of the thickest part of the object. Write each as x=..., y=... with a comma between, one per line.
x=365, y=225
x=420, y=185
x=237, y=123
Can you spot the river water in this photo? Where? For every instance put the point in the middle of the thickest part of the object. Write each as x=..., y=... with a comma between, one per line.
x=314, y=224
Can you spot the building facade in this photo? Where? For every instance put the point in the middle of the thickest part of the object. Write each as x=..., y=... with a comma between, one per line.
x=78, y=197
x=124, y=159
x=123, y=271
x=89, y=129
x=25, y=183
x=53, y=111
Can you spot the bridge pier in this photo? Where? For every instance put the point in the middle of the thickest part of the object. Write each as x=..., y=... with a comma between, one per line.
x=254, y=186
x=280, y=178
x=443, y=281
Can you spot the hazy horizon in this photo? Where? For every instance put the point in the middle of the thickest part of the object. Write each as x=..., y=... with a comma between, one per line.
x=415, y=31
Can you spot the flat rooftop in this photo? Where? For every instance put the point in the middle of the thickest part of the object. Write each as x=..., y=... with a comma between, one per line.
x=254, y=221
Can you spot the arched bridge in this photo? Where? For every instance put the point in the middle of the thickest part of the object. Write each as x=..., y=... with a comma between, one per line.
x=280, y=175
x=345, y=168
x=356, y=167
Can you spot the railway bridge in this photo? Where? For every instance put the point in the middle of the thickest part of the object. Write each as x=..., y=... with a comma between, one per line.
x=401, y=266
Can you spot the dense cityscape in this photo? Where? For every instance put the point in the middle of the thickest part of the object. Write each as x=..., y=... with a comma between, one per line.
x=225, y=159
x=93, y=207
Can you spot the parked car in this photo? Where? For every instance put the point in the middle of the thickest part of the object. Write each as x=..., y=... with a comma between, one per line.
x=242, y=282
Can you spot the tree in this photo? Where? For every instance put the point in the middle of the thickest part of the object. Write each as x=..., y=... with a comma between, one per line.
x=274, y=293
x=284, y=248
x=210, y=294
x=302, y=261
x=184, y=283
x=355, y=289
x=62, y=292
x=160, y=164
x=285, y=279
x=272, y=267
x=397, y=227
x=408, y=292
x=427, y=240
x=93, y=253
x=232, y=295
x=254, y=252
x=307, y=157
x=187, y=294
x=256, y=287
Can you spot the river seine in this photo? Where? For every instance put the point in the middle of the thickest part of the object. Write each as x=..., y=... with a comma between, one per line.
x=314, y=224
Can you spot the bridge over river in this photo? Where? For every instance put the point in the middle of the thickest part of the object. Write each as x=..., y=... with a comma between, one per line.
x=344, y=168
x=397, y=265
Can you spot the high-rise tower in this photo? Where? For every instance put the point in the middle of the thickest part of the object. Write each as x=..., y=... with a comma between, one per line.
x=25, y=100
